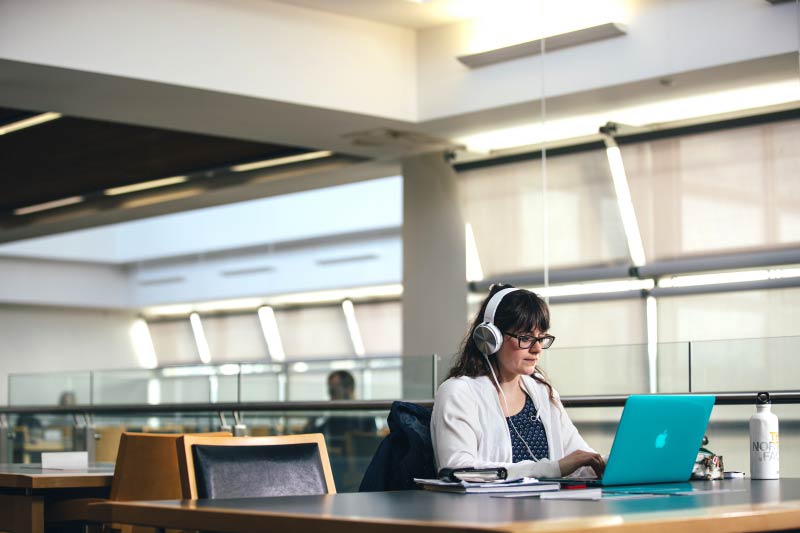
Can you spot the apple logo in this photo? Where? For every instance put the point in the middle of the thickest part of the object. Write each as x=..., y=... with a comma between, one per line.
x=661, y=439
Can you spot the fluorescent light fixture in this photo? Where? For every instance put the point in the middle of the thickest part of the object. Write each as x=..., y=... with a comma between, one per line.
x=229, y=369
x=169, y=310
x=259, y=368
x=474, y=270
x=298, y=298
x=143, y=344
x=337, y=295
x=28, y=122
x=652, y=343
x=624, y=202
x=237, y=304
x=145, y=185
x=46, y=206
x=200, y=338
x=551, y=42
x=187, y=371
x=300, y=367
x=308, y=156
x=710, y=103
x=346, y=364
x=532, y=134
x=601, y=287
x=160, y=198
x=661, y=112
x=153, y=393
x=272, y=336
x=783, y=273
x=718, y=278
x=352, y=327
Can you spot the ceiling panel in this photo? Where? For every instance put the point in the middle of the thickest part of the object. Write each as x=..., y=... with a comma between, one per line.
x=74, y=156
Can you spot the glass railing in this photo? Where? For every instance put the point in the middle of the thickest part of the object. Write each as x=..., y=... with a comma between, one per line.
x=723, y=365
x=770, y=363
x=292, y=397
x=726, y=365
x=376, y=378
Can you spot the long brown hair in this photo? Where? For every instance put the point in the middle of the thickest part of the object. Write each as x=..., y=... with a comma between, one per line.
x=520, y=310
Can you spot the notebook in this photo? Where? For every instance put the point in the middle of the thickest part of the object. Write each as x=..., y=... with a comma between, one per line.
x=520, y=485
x=657, y=440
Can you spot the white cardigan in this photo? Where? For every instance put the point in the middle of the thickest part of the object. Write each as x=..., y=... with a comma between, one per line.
x=468, y=428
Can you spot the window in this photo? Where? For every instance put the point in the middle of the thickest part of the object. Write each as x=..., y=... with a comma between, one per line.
x=505, y=206
x=314, y=332
x=720, y=191
x=235, y=338
x=173, y=342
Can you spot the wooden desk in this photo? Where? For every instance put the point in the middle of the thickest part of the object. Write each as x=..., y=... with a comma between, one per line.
x=26, y=489
x=742, y=506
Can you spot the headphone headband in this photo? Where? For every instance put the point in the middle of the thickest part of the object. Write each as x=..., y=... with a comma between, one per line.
x=494, y=303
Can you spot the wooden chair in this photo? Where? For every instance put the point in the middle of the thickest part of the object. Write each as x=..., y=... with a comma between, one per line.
x=146, y=469
x=107, y=446
x=287, y=465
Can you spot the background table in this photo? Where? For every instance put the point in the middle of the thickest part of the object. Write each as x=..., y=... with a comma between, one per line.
x=740, y=506
x=26, y=489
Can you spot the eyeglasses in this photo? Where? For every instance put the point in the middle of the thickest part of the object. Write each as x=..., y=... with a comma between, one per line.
x=526, y=341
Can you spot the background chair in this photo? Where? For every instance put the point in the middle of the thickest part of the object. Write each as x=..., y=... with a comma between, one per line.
x=146, y=469
x=107, y=443
x=239, y=467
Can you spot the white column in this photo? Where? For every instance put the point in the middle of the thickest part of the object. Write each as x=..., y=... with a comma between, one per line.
x=434, y=272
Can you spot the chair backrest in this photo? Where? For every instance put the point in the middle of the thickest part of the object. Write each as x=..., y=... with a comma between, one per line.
x=147, y=467
x=406, y=453
x=240, y=467
x=107, y=446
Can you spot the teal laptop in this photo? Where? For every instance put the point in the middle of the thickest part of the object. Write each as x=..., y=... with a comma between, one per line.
x=657, y=440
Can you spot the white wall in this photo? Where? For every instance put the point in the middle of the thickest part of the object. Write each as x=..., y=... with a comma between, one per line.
x=36, y=281
x=664, y=37
x=52, y=339
x=247, y=47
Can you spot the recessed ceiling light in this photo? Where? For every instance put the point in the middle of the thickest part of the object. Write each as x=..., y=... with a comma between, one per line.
x=28, y=122
x=48, y=205
x=281, y=161
x=144, y=185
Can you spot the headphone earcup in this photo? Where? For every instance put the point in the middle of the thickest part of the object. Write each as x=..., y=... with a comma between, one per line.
x=488, y=338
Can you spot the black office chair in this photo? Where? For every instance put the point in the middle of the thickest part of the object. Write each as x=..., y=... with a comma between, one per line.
x=245, y=467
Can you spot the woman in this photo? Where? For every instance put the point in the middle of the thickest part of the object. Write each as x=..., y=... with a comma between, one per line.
x=495, y=409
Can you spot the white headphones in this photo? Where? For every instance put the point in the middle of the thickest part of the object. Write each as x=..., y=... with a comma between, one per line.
x=487, y=336
x=489, y=339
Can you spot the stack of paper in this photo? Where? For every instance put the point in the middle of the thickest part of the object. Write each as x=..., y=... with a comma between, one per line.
x=514, y=485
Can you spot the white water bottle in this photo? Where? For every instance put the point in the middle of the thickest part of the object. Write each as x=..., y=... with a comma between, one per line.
x=764, y=441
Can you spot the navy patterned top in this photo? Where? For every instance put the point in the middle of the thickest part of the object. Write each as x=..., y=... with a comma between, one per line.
x=533, y=433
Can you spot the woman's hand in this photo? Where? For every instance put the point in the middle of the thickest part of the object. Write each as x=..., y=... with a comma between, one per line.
x=580, y=458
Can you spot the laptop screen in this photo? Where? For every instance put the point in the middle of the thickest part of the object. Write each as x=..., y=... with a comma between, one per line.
x=658, y=438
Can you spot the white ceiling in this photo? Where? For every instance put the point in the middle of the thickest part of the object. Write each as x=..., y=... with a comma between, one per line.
x=405, y=13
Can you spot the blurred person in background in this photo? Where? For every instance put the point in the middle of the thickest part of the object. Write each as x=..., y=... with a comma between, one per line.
x=341, y=386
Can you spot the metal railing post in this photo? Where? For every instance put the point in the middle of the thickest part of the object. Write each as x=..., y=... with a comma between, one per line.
x=223, y=424
x=239, y=427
